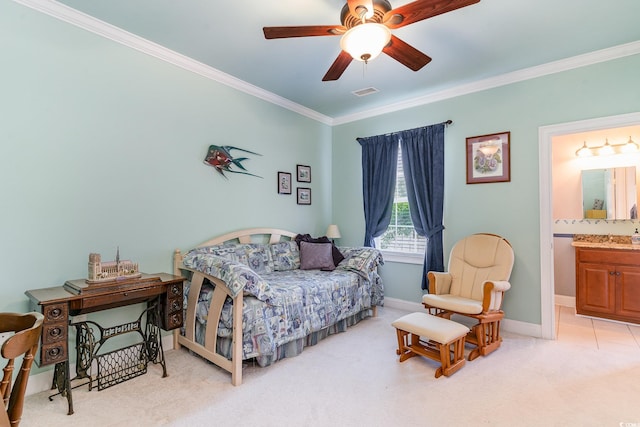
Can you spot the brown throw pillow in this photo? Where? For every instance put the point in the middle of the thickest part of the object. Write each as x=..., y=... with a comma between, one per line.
x=314, y=256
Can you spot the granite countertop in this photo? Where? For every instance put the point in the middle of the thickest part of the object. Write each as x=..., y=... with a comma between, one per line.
x=603, y=241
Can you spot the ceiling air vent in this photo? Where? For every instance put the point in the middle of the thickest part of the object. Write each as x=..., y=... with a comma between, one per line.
x=366, y=91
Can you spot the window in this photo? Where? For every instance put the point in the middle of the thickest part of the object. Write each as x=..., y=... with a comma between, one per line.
x=401, y=238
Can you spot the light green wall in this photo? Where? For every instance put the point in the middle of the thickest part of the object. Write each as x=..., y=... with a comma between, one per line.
x=509, y=209
x=102, y=146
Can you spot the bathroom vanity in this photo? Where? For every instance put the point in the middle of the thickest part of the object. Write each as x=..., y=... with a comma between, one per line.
x=608, y=280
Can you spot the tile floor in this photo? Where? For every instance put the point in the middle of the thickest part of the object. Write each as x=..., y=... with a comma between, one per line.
x=595, y=333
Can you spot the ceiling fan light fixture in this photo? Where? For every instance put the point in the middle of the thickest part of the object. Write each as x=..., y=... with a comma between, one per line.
x=365, y=42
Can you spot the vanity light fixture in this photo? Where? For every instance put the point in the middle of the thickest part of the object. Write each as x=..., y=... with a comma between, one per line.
x=584, y=151
x=608, y=149
x=629, y=147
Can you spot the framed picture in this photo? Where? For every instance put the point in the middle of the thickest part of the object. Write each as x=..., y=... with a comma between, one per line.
x=488, y=158
x=304, y=196
x=304, y=173
x=284, y=183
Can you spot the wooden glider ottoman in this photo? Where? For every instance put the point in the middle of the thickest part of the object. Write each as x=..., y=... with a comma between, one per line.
x=445, y=340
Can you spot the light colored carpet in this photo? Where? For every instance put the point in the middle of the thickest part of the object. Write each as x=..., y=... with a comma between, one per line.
x=355, y=379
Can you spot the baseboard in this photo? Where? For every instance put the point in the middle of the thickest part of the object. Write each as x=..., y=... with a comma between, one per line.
x=565, y=301
x=521, y=328
x=42, y=381
x=402, y=304
x=508, y=325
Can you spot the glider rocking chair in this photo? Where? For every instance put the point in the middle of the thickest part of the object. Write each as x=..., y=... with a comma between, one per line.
x=474, y=285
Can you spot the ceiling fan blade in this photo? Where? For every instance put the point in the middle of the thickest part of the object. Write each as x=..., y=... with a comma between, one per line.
x=422, y=9
x=406, y=54
x=337, y=68
x=307, y=31
x=354, y=5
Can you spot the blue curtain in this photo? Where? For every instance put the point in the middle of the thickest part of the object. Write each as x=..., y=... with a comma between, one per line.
x=379, y=166
x=423, y=164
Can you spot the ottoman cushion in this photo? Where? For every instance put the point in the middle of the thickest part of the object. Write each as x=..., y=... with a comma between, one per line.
x=435, y=328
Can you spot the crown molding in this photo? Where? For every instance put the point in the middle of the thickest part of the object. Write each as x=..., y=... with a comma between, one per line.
x=566, y=64
x=118, y=35
x=74, y=17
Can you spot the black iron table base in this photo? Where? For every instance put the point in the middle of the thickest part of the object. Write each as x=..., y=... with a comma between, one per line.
x=115, y=366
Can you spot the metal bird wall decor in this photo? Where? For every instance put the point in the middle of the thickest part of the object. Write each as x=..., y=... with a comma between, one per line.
x=220, y=158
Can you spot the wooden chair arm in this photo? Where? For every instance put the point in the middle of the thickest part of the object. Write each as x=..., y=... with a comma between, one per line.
x=493, y=294
x=439, y=283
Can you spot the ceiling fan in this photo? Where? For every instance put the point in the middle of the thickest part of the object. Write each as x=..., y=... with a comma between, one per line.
x=366, y=31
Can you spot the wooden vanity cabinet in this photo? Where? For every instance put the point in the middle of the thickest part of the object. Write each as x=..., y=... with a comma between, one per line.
x=608, y=283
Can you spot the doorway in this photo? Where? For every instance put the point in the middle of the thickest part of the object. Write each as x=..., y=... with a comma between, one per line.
x=545, y=140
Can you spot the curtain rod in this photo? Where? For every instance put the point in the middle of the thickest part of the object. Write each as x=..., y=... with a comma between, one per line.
x=445, y=123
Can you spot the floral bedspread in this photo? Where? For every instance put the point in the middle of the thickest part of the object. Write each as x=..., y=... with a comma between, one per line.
x=283, y=306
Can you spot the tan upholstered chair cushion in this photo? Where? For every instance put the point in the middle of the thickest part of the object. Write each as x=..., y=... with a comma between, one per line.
x=453, y=303
x=474, y=260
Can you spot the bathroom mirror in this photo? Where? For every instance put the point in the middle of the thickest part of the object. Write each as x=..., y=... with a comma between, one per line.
x=610, y=193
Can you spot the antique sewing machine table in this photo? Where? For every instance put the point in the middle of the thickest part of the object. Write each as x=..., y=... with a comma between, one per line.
x=162, y=293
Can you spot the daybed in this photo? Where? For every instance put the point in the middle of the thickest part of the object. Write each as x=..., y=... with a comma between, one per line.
x=247, y=297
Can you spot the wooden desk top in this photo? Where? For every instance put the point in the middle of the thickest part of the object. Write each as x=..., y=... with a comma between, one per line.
x=85, y=298
x=61, y=294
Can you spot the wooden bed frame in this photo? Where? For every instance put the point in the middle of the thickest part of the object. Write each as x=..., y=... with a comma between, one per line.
x=220, y=293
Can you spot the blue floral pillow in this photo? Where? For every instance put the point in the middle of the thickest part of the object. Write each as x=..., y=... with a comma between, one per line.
x=238, y=277
x=254, y=255
x=258, y=257
x=285, y=256
x=360, y=260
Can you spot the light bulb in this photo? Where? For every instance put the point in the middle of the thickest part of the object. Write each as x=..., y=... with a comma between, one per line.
x=365, y=42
